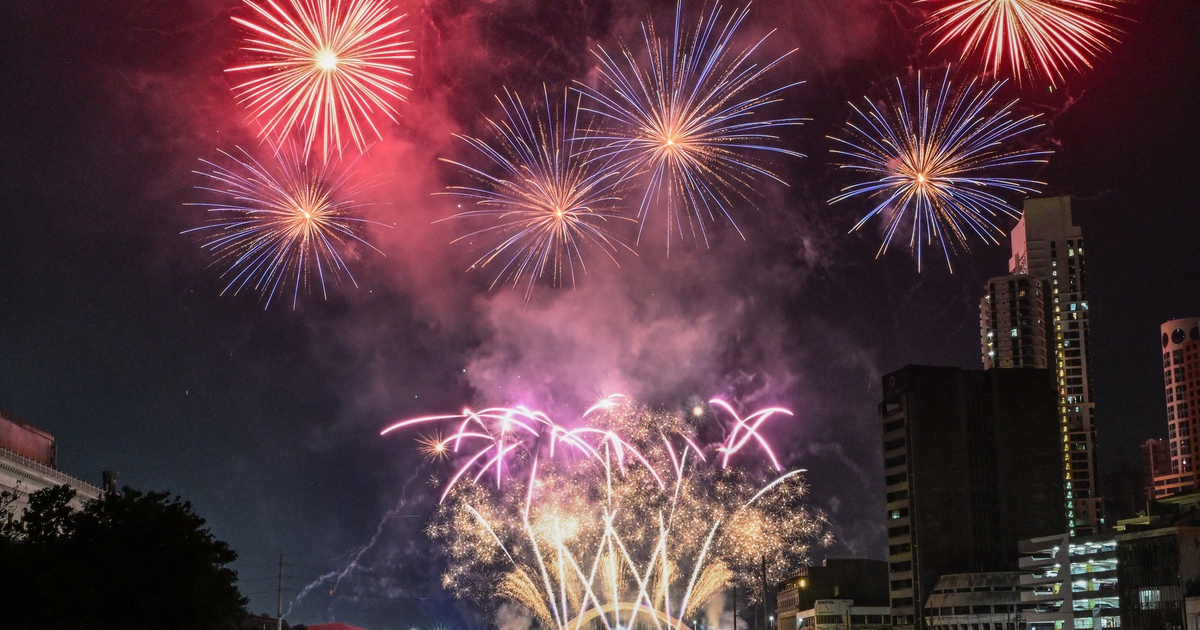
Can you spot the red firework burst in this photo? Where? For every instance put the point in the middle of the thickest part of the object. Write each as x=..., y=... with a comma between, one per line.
x=324, y=67
x=1027, y=37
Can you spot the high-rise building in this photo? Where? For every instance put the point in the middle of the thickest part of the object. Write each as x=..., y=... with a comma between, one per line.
x=971, y=465
x=1016, y=327
x=1046, y=245
x=1156, y=465
x=1181, y=381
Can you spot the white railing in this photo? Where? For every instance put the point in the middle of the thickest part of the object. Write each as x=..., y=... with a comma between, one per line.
x=46, y=471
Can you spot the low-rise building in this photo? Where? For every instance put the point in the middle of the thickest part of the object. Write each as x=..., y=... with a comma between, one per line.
x=29, y=462
x=841, y=593
x=975, y=601
x=843, y=614
x=1070, y=582
x=1158, y=566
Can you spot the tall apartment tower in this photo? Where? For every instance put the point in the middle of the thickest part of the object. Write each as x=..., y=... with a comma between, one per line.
x=1016, y=326
x=1181, y=381
x=1046, y=245
x=971, y=465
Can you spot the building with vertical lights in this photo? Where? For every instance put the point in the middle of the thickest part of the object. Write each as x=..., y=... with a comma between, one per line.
x=1181, y=385
x=971, y=468
x=1047, y=246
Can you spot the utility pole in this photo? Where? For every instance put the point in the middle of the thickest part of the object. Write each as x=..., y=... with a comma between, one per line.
x=279, y=605
x=735, y=606
x=766, y=624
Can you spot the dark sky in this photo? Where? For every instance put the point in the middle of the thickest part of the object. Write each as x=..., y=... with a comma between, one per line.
x=113, y=335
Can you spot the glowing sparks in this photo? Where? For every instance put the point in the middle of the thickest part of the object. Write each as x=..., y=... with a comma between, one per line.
x=546, y=202
x=433, y=447
x=286, y=222
x=1027, y=37
x=491, y=439
x=587, y=543
x=326, y=67
x=686, y=118
x=932, y=164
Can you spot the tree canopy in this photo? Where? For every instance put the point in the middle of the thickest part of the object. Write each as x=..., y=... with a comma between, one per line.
x=129, y=560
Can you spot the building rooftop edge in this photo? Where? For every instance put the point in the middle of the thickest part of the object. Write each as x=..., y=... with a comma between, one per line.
x=52, y=473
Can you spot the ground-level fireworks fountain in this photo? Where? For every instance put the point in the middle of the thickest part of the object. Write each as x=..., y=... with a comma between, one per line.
x=627, y=520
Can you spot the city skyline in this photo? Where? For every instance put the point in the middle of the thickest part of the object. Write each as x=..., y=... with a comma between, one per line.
x=114, y=336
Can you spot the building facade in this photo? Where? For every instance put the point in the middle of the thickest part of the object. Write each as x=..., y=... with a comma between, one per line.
x=1016, y=327
x=853, y=588
x=843, y=614
x=28, y=463
x=1070, y=582
x=1181, y=384
x=861, y=582
x=1156, y=467
x=1046, y=245
x=976, y=601
x=1158, y=565
x=1160, y=571
x=971, y=468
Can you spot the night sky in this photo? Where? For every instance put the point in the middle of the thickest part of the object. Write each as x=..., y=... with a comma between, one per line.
x=113, y=335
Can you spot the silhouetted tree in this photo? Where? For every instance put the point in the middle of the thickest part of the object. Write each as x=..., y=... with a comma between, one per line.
x=133, y=560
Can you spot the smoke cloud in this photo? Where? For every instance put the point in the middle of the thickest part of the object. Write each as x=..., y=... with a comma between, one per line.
x=739, y=318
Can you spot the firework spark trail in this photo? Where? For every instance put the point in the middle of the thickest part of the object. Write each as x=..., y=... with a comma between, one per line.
x=749, y=425
x=933, y=163
x=1042, y=38
x=340, y=574
x=587, y=539
x=322, y=66
x=497, y=431
x=494, y=433
x=289, y=220
x=685, y=118
x=546, y=203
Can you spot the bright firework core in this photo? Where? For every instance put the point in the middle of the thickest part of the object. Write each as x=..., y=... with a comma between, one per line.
x=622, y=520
x=327, y=60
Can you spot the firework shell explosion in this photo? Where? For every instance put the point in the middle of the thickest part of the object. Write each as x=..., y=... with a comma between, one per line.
x=325, y=67
x=622, y=519
x=286, y=224
x=687, y=118
x=935, y=162
x=1026, y=38
x=546, y=203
